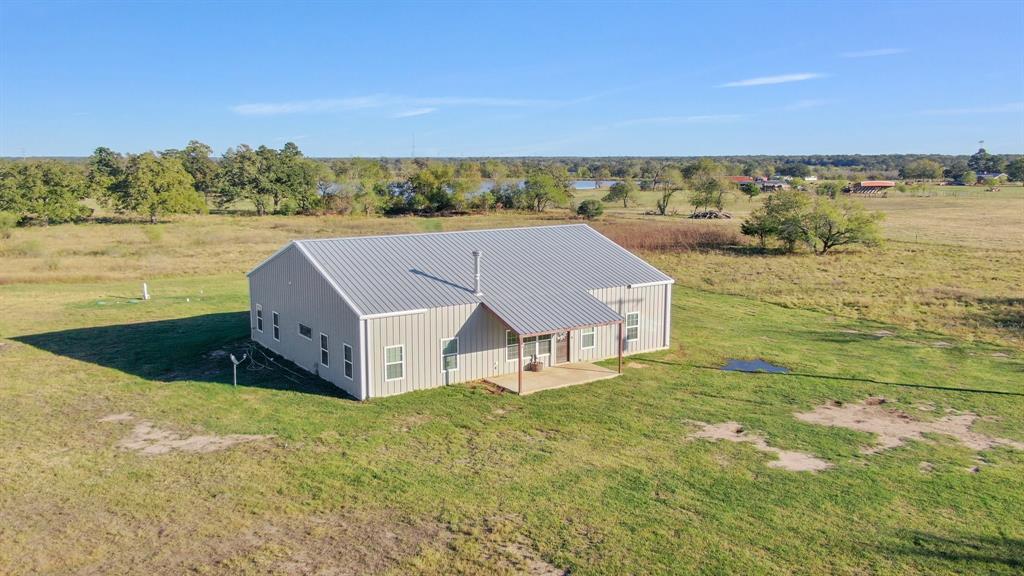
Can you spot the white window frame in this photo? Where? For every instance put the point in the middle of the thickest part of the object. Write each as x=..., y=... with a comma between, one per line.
x=298, y=329
x=627, y=327
x=259, y=318
x=443, y=355
x=348, y=369
x=401, y=362
x=592, y=332
x=527, y=340
x=325, y=348
x=275, y=324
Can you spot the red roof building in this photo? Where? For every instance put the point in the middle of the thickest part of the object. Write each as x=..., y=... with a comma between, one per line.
x=741, y=179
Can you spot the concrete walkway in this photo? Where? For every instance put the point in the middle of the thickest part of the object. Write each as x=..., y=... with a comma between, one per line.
x=554, y=377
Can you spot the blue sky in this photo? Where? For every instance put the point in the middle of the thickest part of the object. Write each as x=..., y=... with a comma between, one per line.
x=514, y=78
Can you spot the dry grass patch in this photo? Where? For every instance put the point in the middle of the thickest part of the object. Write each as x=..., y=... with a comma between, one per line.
x=786, y=459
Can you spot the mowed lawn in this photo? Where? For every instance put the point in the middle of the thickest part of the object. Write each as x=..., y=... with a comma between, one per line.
x=596, y=479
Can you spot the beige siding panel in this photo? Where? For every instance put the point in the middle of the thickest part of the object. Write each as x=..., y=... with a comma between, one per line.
x=291, y=286
x=482, y=339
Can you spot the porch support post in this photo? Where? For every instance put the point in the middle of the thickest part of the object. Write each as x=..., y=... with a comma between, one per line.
x=520, y=386
x=620, y=347
x=568, y=346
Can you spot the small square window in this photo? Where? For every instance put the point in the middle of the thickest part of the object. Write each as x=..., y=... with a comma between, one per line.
x=305, y=331
x=449, y=354
x=587, y=338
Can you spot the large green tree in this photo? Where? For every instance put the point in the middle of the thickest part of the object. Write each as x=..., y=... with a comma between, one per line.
x=922, y=169
x=1015, y=169
x=47, y=191
x=781, y=216
x=981, y=161
x=832, y=223
x=154, y=186
x=708, y=184
x=624, y=191
x=541, y=189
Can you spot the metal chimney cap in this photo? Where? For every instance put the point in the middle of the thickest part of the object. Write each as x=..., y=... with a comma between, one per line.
x=477, y=252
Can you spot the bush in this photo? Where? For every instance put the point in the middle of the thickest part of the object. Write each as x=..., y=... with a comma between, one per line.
x=8, y=220
x=288, y=207
x=590, y=209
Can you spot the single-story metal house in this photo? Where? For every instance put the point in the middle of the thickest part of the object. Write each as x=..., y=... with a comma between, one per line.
x=383, y=315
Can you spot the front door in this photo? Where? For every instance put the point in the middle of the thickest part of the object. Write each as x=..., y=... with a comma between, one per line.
x=562, y=348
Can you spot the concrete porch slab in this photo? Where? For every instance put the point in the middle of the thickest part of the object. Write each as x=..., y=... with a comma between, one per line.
x=553, y=377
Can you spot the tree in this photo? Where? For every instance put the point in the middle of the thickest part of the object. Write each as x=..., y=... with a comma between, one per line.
x=105, y=168
x=923, y=169
x=153, y=186
x=955, y=169
x=831, y=188
x=780, y=216
x=430, y=189
x=981, y=162
x=671, y=182
x=1015, y=169
x=968, y=178
x=541, y=190
x=794, y=169
x=832, y=223
x=625, y=190
x=242, y=178
x=708, y=184
x=750, y=189
x=198, y=163
x=47, y=191
x=590, y=209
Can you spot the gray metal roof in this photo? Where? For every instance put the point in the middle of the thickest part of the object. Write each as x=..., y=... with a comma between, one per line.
x=535, y=279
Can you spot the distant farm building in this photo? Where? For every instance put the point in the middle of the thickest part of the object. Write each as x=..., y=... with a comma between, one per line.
x=383, y=315
x=772, y=185
x=983, y=176
x=872, y=187
x=741, y=179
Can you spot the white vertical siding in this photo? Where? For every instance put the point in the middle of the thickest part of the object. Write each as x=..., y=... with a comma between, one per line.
x=482, y=339
x=291, y=286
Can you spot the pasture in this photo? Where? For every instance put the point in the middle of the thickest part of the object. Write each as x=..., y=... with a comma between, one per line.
x=125, y=448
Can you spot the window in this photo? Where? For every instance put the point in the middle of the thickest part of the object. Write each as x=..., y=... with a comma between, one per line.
x=587, y=338
x=259, y=318
x=346, y=352
x=394, y=362
x=277, y=325
x=632, y=326
x=305, y=331
x=449, y=354
x=532, y=346
x=511, y=346
x=325, y=356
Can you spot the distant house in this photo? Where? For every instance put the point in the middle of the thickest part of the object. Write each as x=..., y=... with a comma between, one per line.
x=383, y=315
x=811, y=179
x=872, y=187
x=983, y=176
x=773, y=185
x=741, y=179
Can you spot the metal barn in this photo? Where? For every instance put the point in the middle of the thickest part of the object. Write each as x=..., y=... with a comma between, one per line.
x=383, y=315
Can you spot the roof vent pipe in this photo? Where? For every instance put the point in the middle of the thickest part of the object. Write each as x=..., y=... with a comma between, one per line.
x=476, y=272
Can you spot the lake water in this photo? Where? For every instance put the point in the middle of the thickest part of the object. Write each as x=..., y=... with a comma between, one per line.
x=488, y=185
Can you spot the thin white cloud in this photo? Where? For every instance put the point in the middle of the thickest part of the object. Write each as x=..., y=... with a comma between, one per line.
x=693, y=119
x=873, y=53
x=409, y=103
x=414, y=112
x=996, y=109
x=766, y=80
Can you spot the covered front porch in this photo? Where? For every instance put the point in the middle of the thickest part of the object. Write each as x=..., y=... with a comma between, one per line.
x=552, y=377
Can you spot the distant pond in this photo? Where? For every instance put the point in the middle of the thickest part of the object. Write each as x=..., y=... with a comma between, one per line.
x=488, y=185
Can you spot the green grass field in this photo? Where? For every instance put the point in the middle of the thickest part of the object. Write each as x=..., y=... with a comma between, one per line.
x=595, y=479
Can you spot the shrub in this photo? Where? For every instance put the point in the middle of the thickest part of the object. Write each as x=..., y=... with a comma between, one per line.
x=590, y=209
x=8, y=220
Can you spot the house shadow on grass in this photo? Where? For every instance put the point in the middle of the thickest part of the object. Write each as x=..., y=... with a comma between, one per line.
x=983, y=553
x=193, y=349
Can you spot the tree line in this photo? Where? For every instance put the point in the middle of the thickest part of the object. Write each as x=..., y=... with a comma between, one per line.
x=285, y=181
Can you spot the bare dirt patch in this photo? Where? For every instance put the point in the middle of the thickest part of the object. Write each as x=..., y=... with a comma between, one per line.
x=786, y=459
x=893, y=427
x=635, y=365
x=145, y=438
